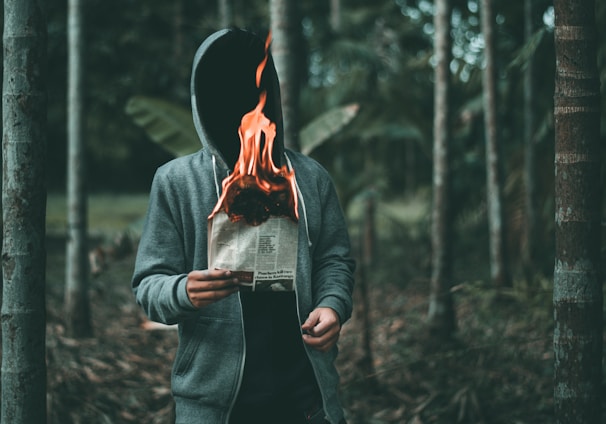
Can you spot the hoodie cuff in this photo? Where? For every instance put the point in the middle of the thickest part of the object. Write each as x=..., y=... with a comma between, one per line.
x=336, y=305
x=182, y=297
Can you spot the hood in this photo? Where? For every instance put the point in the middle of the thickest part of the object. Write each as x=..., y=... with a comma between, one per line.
x=223, y=89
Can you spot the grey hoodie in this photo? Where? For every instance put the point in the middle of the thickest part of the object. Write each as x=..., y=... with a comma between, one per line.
x=209, y=363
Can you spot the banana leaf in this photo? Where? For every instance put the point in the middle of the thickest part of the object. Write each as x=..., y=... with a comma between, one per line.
x=169, y=125
x=324, y=126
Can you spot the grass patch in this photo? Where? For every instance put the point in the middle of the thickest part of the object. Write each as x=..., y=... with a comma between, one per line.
x=107, y=213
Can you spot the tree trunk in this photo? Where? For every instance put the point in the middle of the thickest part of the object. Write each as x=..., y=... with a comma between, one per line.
x=226, y=13
x=335, y=16
x=410, y=174
x=286, y=34
x=24, y=210
x=441, y=315
x=498, y=263
x=77, y=305
x=366, y=270
x=577, y=295
x=178, y=31
x=529, y=251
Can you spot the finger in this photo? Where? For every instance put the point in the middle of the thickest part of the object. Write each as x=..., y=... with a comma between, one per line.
x=319, y=338
x=321, y=328
x=311, y=321
x=212, y=285
x=323, y=325
x=323, y=344
x=210, y=274
x=218, y=285
x=205, y=298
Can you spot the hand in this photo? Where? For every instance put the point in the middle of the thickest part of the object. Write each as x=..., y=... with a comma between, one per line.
x=208, y=286
x=321, y=329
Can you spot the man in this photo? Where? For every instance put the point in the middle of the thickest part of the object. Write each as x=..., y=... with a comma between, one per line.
x=243, y=357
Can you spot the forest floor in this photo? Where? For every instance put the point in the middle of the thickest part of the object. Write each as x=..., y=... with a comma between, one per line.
x=497, y=369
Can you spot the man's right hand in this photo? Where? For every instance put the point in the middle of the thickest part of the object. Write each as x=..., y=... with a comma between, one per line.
x=208, y=286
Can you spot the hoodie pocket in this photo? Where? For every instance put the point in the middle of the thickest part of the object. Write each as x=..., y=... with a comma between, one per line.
x=207, y=344
x=189, y=344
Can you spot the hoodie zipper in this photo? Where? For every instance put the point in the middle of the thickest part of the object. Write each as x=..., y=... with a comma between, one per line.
x=311, y=362
x=241, y=372
x=309, y=244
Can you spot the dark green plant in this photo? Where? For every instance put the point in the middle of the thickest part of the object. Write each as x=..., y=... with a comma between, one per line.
x=171, y=126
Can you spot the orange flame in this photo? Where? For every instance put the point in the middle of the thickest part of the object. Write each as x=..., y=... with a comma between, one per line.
x=258, y=189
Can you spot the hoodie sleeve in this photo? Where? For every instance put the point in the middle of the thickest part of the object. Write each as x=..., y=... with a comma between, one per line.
x=333, y=266
x=159, y=277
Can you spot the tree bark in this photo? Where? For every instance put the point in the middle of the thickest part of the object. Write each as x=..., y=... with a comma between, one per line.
x=498, y=263
x=335, y=16
x=577, y=295
x=366, y=270
x=286, y=38
x=77, y=305
x=24, y=209
x=441, y=315
x=410, y=174
x=178, y=31
x=226, y=13
x=529, y=251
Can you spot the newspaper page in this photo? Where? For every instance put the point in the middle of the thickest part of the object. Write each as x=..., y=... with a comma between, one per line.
x=262, y=257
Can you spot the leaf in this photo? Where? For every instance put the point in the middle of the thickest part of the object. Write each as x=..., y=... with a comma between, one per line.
x=404, y=212
x=527, y=51
x=169, y=125
x=392, y=131
x=326, y=125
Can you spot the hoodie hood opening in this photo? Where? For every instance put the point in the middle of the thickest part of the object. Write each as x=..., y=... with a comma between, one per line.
x=224, y=89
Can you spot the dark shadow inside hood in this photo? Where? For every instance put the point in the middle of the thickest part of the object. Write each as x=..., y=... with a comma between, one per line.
x=224, y=89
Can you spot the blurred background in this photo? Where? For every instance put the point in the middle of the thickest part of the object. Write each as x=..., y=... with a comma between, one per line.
x=377, y=57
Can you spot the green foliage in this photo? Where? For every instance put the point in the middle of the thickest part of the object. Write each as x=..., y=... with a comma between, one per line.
x=167, y=124
x=172, y=128
x=501, y=355
x=528, y=50
x=381, y=59
x=324, y=126
x=108, y=214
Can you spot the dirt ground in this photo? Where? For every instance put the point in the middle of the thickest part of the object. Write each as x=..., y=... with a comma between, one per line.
x=497, y=370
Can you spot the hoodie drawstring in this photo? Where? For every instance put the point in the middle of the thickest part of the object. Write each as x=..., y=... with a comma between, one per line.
x=300, y=196
x=216, y=180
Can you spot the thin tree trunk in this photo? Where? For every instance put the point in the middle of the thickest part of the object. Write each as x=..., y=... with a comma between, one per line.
x=178, y=31
x=577, y=294
x=181, y=73
x=498, y=263
x=368, y=255
x=410, y=182
x=286, y=35
x=441, y=315
x=24, y=210
x=226, y=13
x=77, y=305
x=530, y=237
x=335, y=15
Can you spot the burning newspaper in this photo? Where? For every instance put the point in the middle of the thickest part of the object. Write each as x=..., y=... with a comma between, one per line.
x=253, y=229
x=262, y=257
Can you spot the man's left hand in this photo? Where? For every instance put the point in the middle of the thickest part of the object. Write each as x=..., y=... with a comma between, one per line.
x=321, y=329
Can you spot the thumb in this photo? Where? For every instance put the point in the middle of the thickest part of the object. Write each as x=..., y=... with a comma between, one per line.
x=311, y=320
